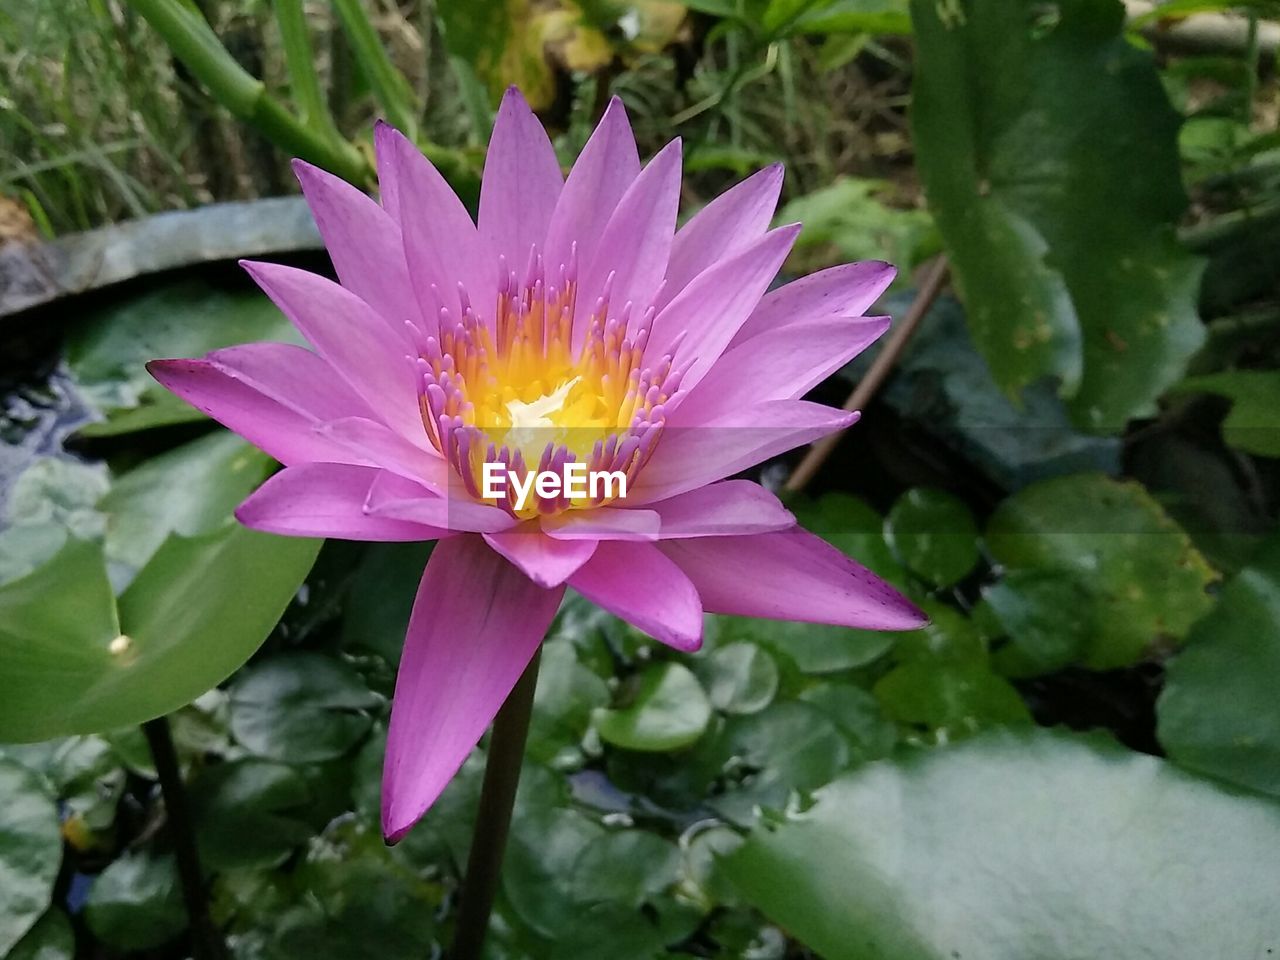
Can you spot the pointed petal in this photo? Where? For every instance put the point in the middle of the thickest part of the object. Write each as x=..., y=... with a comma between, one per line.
x=351, y=337
x=521, y=184
x=476, y=624
x=727, y=508
x=717, y=302
x=294, y=377
x=607, y=166
x=603, y=523
x=277, y=430
x=694, y=456
x=732, y=220
x=384, y=149
x=399, y=498
x=544, y=560
x=790, y=575
x=636, y=243
x=782, y=364
x=636, y=582
x=843, y=291
x=441, y=245
x=364, y=244
x=372, y=442
x=325, y=500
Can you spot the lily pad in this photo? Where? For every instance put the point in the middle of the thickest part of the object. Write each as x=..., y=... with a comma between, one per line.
x=1144, y=582
x=1010, y=846
x=669, y=710
x=1218, y=713
x=136, y=903
x=934, y=534
x=740, y=677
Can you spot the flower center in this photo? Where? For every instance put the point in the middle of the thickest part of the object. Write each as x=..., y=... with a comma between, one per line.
x=514, y=389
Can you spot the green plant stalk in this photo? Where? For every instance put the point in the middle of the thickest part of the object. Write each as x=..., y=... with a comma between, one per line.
x=389, y=85
x=493, y=817
x=195, y=44
x=206, y=942
x=299, y=59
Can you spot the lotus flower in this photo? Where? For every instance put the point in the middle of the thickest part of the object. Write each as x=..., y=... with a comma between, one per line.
x=573, y=323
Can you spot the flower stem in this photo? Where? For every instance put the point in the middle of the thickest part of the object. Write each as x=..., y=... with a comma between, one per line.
x=206, y=942
x=493, y=818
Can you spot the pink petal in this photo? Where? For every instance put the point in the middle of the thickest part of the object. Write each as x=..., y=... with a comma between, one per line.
x=604, y=170
x=636, y=243
x=727, y=508
x=694, y=456
x=790, y=575
x=520, y=187
x=476, y=624
x=603, y=523
x=732, y=220
x=545, y=561
x=844, y=291
x=347, y=333
x=364, y=244
x=709, y=311
x=441, y=245
x=399, y=498
x=384, y=149
x=371, y=442
x=636, y=582
x=781, y=364
x=282, y=432
x=294, y=377
x=325, y=500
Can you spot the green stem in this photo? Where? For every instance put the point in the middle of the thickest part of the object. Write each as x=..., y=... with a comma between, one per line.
x=193, y=42
x=300, y=61
x=493, y=818
x=388, y=83
x=206, y=942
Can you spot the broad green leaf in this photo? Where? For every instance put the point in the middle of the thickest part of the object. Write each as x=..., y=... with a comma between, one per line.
x=302, y=708
x=1014, y=846
x=193, y=614
x=110, y=349
x=30, y=851
x=136, y=903
x=626, y=867
x=1048, y=150
x=51, y=499
x=247, y=813
x=934, y=534
x=1143, y=581
x=1252, y=424
x=538, y=866
x=951, y=698
x=375, y=614
x=567, y=693
x=189, y=491
x=669, y=710
x=858, y=715
x=1218, y=713
x=740, y=677
x=50, y=939
x=1031, y=608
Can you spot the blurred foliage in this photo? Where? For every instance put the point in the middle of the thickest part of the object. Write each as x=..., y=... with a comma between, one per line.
x=1072, y=470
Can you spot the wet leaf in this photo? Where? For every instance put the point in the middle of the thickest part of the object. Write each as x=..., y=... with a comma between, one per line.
x=934, y=534
x=30, y=852
x=136, y=903
x=668, y=711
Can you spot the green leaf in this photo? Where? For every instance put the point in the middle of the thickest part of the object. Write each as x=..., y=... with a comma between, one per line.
x=189, y=490
x=1048, y=149
x=51, y=499
x=1143, y=581
x=302, y=708
x=1029, y=605
x=566, y=695
x=110, y=348
x=193, y=614
x=375, y=614
x=857, y=16
x=136, y=904
x=1012, y=846
x=934, y=534
x=669, y=710
x=50, y=939
x=242, y=813
x=858, y=715
x=740, y=677
x=949, y=697
x=30, y=851
x=1255, y=397
x=1218, y=713
x=627, y=867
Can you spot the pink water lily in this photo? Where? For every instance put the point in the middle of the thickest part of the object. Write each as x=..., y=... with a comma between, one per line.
x=573, y=323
